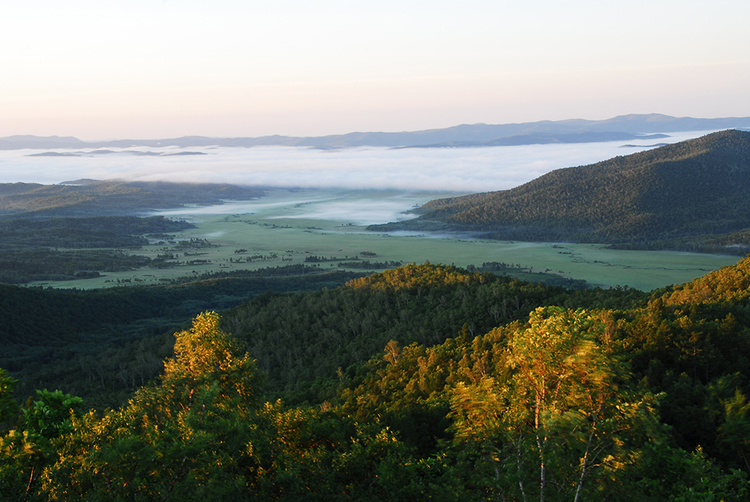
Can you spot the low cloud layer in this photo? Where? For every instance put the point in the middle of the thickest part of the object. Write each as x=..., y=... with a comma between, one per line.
x=438, y=169
x=355, y=207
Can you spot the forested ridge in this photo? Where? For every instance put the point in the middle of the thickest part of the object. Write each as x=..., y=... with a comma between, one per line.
x=422, y=382
x=111, y=197
x=305, y=343
x=103, y=344
x=687, y=196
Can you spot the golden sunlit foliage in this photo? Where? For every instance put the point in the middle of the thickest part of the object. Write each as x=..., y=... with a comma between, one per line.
x=727, y=283
x=646, y=403
x=415, y=276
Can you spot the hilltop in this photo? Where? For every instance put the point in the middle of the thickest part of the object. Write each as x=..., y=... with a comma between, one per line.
x=689, y=196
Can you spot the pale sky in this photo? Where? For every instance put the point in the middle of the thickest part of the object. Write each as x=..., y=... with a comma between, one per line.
x=159, y=69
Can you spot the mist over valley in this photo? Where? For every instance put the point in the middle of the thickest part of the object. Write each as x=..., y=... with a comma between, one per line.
x=449, y=169
x=285, y=204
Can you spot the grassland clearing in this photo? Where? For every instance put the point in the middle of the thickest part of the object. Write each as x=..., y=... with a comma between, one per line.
x=289, y=227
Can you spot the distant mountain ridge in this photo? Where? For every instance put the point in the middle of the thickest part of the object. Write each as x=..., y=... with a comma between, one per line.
x=624, y=127
x=691, y=195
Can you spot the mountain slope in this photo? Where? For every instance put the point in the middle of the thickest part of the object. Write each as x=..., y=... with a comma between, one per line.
x=672, y=195
x=90, y=197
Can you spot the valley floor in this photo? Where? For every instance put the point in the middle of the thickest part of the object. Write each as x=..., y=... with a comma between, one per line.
x=327, y=228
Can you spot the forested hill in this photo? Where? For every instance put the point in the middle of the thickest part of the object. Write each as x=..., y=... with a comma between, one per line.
x=111, y=197
x=720, y=287
x=420, y=383
x=690, y=195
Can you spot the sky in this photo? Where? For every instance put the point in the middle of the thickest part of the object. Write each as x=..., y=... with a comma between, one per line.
x=160, y=68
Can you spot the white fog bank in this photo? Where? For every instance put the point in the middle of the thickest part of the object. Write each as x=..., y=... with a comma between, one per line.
x=434, y=169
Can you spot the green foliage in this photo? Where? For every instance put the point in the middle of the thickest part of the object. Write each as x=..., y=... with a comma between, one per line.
x=728, y=284
x=206, y=357
x=176, y=439
x=693, y=342
x=23, y=458
x=112, y=197
x=734, y=433
x=200, y=434
x=559, y=399
x=50, y=416
x=684, y=477
x=301, y=341
x=415, y=277
x=622, y=400
x=29, y=248
x=547, y=393
x=104, y=344
x=8, y=405
x=694, y=353
x=25, y=452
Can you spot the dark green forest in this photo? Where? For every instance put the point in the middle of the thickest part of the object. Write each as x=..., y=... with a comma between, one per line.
x=425, y=382
x=111, y=197
x=34, y=249
x=689, y=196
x=81, y=228
x=103, y=344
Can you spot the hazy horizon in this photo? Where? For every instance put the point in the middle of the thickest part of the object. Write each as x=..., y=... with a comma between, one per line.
x=98, y=70
x=431, y=169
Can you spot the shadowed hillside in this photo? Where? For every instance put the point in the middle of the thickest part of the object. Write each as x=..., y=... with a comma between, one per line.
x=112, y=197
x=691, y=195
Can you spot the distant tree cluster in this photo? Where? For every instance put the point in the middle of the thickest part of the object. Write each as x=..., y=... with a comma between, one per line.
x=370, y=265
x=30, y=248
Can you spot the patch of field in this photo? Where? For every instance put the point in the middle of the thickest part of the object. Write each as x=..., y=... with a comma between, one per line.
x=329, y=226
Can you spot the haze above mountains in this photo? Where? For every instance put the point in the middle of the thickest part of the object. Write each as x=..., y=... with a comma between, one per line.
x=621, y=128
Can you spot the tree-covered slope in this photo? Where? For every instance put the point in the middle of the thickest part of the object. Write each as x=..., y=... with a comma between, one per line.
x=728, y=284
x=111, y=197
x=690, y=345
x=102, y=344
x=676, y=196
x=304, y=343
x=597, y=398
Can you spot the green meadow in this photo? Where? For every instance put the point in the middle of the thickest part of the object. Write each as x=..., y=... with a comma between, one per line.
x=329, y=226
